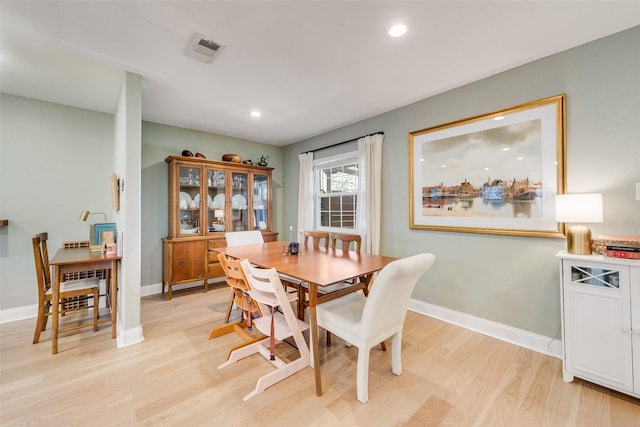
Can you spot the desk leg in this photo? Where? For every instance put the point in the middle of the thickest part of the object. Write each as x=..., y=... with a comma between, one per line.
x=55, y=309
x=313, y=335
x=114, y=298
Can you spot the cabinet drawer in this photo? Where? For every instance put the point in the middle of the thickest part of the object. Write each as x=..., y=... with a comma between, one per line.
x=216, y=243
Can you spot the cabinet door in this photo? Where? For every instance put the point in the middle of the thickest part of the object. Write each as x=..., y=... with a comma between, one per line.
x=240, y=214
x=187, y=260
x=217, y=197
x=597, y=316
x=635, y=324
x=188, y=200
x=261, y=202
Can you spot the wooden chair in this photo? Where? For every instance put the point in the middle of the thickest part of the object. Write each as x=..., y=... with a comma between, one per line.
x=316, y=237
x=239, y=287
x=279, y=324
x=300, y=287
x=346, y=240
x=239, y=238
x=68, y=289
x=83, y=301
x=366, y=321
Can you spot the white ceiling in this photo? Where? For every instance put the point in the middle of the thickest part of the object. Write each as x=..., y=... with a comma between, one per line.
x=309, y=66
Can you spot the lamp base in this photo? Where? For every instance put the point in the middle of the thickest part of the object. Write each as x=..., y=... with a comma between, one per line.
x=579, y=240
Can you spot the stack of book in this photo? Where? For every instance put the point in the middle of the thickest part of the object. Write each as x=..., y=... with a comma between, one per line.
x=627, y=247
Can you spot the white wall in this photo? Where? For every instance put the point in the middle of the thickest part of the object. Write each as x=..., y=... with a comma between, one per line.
x=127, y=165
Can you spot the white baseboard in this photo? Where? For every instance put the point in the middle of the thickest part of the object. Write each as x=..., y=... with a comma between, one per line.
x=18, y=313
x=540, y=343
x=535, y=342
x=128, y=337
x=156, y=288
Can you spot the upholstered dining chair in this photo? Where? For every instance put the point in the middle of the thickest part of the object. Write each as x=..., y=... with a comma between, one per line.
x=366, y=321
x=240, y=238
x=278, y=323
x=239, y=286
x=69, y=289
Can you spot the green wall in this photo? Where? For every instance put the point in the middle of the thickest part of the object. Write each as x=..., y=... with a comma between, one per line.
x=160, y=141
x=508, y=279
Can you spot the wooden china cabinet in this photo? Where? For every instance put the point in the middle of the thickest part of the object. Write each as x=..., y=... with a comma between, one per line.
x=206, y=199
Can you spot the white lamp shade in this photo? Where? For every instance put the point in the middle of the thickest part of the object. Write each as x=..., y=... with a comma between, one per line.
x=218, y=213
x=579, y=208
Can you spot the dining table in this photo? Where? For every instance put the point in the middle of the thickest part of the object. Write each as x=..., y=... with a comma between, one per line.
x=77, y=260
x=319, y=267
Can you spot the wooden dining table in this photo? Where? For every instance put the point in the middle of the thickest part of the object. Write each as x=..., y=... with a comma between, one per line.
x=76, y=260
x=319, y=267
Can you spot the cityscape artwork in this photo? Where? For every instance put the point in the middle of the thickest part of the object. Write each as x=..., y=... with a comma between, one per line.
x=497, y=173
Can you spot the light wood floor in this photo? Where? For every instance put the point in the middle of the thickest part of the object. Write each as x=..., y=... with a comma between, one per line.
x=451, y=377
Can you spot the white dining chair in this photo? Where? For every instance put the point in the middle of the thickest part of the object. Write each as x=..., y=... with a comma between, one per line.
x=367, y=321
x=239, y=238
x=278, y=323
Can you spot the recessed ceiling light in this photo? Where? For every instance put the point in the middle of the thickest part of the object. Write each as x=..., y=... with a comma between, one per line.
x=255, y=114
x=397, y=30
x=499, y=118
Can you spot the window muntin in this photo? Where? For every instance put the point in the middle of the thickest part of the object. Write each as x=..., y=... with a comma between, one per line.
x=337, y=181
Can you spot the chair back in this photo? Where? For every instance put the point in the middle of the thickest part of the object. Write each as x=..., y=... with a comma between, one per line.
x=316, y=237
x=41, y=259
x=261, y=279
x=388, y=299
x=345, y=241
x=235, y=276
x=239, y=238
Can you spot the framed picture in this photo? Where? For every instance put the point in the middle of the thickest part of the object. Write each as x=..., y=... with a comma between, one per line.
x=497, y=173
x=96, y=232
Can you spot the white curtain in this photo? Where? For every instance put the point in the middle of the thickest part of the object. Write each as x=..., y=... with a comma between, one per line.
x=370, y=192
x=305, y=193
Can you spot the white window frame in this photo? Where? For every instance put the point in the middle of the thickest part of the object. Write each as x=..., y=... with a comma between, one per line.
x=323, y=163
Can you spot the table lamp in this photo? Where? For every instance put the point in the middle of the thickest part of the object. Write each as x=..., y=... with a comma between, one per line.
x=93, y=240
x=578, y=209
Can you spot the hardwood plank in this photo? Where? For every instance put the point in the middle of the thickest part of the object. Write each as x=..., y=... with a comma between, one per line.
x=451, y=377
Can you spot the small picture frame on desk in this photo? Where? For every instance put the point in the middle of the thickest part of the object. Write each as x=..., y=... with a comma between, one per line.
x=95, y=237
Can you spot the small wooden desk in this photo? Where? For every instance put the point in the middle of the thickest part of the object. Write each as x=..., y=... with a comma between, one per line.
x=77, y=260
x=319, y=267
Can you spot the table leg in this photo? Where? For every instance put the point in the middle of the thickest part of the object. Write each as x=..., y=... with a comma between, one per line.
x=114, y=298
x=313, y=335
x=55, y=309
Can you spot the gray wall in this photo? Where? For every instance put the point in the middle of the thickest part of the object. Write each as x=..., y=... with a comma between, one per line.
x=55, y=161
x=508, y=279
x=160, y=141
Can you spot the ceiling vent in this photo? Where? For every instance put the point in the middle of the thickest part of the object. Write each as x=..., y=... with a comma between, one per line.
x=202, y=49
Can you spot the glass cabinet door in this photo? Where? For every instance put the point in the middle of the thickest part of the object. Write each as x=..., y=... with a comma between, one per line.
x=216, y=200
x=260, y=202
x=239, y=209
x=189, y=201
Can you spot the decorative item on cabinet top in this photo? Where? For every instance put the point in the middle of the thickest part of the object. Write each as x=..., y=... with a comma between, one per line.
x=231, y=158
x=204, y=161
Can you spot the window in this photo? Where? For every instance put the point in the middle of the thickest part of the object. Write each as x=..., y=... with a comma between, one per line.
x=336, y=192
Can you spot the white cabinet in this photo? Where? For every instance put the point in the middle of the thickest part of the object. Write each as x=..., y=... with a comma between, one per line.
x=601, y=320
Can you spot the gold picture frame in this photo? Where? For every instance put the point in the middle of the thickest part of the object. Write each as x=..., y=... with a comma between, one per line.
x=497, y=173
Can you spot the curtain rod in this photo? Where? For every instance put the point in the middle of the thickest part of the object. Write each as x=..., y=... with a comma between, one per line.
x=343, y=142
